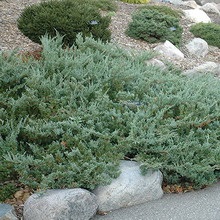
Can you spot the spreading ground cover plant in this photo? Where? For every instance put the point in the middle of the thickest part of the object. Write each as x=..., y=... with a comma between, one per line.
x=68, y=17
x=153, y=26
x=69, y=117
x=210, y=32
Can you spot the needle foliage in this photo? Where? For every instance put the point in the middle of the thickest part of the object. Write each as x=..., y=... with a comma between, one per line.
x=67, y=119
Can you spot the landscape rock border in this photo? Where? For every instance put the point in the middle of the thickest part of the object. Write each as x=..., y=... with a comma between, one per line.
x=71, y=204
x=130, y=188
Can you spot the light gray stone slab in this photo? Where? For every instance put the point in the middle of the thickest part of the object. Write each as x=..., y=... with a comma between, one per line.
x=203, y=2
x=210, y=8
x=198, y=47
x=191, y=4
x=169, y=50
x=207, y=67
x=157, y=63
x=130, y=188
x=196, y=16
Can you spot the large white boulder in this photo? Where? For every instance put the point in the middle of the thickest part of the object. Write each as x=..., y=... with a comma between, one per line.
x=207, y=67
x=169, y=50
x=198, y=47
x=210, y=8
x=203, y=2
x=130, y=188
x=71, y=204
x=196, y=16
x=175, y=2
x=157, y=63
x=191, y=4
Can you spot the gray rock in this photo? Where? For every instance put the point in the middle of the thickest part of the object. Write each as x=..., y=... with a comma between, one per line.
x=203, y=2
x=2, y=48
x=196, y=15
x=191, y=4
x=208, y=67
x=210, y=8
x=71, y=204
x=156, y=62
x=169, y=50
x=198, y=2
x=130, y=188
x=174, y=2
x=6, y=212
x=198, y=47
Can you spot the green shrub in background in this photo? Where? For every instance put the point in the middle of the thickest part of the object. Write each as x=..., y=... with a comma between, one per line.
x=163, y=9
x=136, y=1
x=66, y=17
x=105, y=5
x=153, y=26
x=210, y=32
x=68, y=119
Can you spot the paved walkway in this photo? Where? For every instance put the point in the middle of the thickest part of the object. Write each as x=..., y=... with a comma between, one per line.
x=198, y=205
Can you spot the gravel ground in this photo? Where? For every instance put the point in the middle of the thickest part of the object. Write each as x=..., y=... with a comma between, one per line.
x=123, y=17
x=11, y=37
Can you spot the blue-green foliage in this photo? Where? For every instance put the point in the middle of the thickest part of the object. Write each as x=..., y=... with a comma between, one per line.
x=67, y=119
x=154, y=26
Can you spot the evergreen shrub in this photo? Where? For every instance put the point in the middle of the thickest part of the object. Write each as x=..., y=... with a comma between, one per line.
x=105, y=5
x=136, y=1
x=210, y=32
x=67, y=17
x=153, y=26
x=164, y=10
x=68, y=118
x=7, y=190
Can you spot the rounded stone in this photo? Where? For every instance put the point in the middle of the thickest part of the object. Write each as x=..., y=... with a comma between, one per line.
x=71, y=204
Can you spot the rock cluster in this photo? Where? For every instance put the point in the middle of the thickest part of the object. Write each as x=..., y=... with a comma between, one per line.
x=197, y=47
x=130, y=188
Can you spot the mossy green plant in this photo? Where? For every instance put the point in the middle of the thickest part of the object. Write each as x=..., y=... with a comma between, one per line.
x=7, y=191
x=153, y=26
x=210, y=32
x=105, y=5
x=164, y=10
x=66, y=17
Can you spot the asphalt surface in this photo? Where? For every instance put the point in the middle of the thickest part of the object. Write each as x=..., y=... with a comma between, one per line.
x=197, y=205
